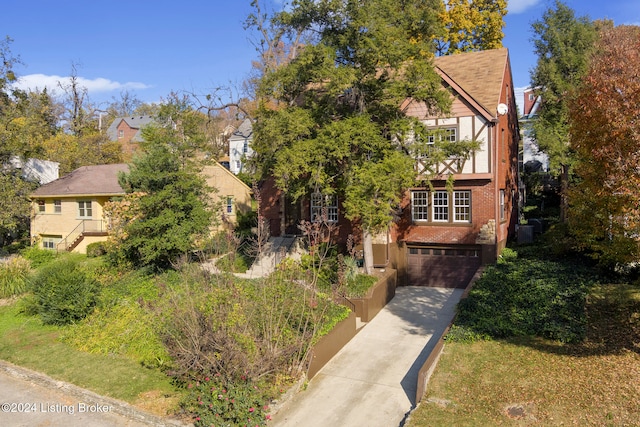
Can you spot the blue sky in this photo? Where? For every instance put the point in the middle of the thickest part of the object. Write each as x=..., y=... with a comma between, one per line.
x=153, y=48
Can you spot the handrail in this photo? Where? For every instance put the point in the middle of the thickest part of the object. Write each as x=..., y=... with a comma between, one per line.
x=85, y=226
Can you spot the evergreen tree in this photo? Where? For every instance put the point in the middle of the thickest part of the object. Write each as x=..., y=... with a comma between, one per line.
x=173, y=213
x=562, y=43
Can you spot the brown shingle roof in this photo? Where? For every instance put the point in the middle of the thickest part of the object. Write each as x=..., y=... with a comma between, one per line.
x=87, y=180
x=480, y=74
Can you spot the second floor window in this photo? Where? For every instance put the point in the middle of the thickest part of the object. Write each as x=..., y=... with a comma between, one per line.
x=120, y=134
x=84, y=209
x=323, y=204
x=229, y=208
x=41, y=206
x=57, y=206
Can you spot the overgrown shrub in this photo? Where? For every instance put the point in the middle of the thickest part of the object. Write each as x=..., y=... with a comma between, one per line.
x=215, y=401
x=96, y=249
x=63, y=292
x=124, y=329
x=38, y=256
x=13, y=276
x=233, y=262
x=534, y=297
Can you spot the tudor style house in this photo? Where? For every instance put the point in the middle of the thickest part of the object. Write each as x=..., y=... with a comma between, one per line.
x=443, y=235
x=68, y=212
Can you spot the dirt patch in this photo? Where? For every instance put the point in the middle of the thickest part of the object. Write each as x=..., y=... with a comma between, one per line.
x=157, y=402
x=519, y=411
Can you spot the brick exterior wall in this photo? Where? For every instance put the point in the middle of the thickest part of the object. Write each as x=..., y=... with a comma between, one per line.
x=128, y=147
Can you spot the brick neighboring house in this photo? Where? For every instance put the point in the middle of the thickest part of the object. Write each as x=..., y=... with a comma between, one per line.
x=442, y=236
x=68, y=212
x=128, y=131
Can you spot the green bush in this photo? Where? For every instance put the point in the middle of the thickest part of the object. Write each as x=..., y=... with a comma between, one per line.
x=214, y=401
x=38, y=256
x=63, y=292
x=359, y=285
x=125, y=329
x=234, y=263
x=96, y=249
x=528, y=297
x=13, y=276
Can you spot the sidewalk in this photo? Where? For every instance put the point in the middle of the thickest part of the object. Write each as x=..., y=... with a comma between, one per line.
x=372, y=381
x=29, y=398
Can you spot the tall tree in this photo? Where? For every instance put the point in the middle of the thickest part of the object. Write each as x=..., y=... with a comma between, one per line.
x=605, y=134
x=26, y=119
x=330, y=119
x=472, y=25
x=173, y=213
x=562, y=44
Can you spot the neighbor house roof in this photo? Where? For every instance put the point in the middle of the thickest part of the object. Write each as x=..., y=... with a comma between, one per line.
x=244, y=130
x=479, y=74
x=86, y=181
x=134, y=122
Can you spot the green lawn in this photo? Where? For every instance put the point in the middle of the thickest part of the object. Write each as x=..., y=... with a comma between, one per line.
x=28, y=343
x=533, y=381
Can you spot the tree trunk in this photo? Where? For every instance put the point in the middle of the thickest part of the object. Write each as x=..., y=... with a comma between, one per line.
x=564, y=188
x=367, y=248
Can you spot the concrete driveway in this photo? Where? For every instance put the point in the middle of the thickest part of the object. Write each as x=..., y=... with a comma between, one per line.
x=372, y=381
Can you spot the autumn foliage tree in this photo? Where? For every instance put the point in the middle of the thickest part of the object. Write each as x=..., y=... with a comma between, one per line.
x=605, y=134
x=472, y=25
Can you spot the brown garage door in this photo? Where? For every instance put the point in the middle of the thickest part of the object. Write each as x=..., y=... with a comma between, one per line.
x=442, y=267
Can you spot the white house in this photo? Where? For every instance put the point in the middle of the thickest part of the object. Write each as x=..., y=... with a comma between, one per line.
x=240, y=147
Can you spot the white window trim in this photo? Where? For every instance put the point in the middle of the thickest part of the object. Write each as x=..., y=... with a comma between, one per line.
x=420, y=211
x=466, y=206
x=320, y=202
x=84, y=209
x=502, y=205
x=51, y=242
x=441, y=206
x=438, y=210
x=229, y=205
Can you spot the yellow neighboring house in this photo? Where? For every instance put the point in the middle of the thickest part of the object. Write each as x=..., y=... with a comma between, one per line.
x=68, y=212
x=234, y=195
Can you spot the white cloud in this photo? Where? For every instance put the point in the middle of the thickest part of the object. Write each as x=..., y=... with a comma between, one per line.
x=52, y=83
x=519, y=6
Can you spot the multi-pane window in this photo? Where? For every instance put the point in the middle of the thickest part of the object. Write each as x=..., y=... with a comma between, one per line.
x=323, y=204
x=120, y=133
x=443, y=134
x=229, y=204
x=462, y=206
x=440, y=206
x=84, y=209
x=502, y=206
x=420, y=205
x=41, y=206
x=57, y=206
x=50, y=242
x=450, y=134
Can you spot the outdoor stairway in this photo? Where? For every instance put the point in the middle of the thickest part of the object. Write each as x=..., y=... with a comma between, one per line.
x=276, y=250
